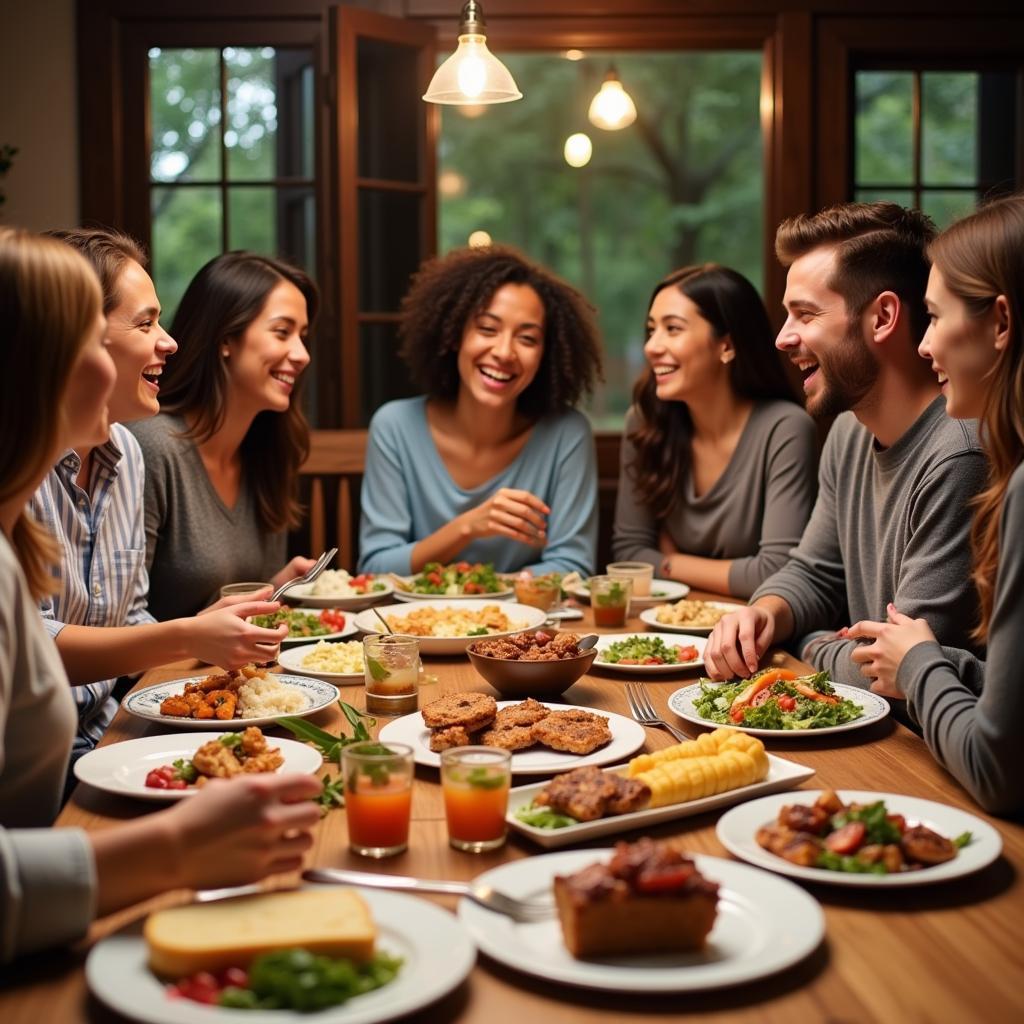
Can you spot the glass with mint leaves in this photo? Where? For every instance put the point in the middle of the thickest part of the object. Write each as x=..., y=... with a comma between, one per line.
x=475, y=783
x=609, y=600
x=391, y=668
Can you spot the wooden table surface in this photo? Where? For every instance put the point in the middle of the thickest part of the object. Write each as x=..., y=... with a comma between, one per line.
x=949, y=952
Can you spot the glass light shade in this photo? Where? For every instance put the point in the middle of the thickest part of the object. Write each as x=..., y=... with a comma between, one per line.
x=612, y=108
x=472, y=74
x=578, y=149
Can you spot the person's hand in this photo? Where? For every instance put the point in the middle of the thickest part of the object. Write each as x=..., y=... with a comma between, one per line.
x=738, y=641
x=231, y=600
x=298, y=566
x=222, y=636
x=235, y=831
x=509, y=513
x=880, y=661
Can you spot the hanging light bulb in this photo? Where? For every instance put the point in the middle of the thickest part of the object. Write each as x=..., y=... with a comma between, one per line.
x=578, y=149
x=472, y=74
x=612, y=108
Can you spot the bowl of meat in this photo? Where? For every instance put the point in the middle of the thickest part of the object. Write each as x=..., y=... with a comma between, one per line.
x=535, y=663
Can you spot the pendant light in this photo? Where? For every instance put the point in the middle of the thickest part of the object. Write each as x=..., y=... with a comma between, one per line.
x=472, y=74
x=612, y=108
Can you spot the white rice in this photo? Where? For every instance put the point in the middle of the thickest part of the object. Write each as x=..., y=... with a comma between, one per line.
x=263, y=696
x=346, y=657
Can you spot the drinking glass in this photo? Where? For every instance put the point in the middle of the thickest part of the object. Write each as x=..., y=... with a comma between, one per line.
x=609, y=600
x=378, y=797
x=543, y=592
x=641, y=573
x=475, y=782
x=391, y=668
x=231, y=589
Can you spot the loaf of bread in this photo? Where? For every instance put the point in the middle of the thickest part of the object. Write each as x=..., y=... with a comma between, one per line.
x=231, y=933
x=648, y=899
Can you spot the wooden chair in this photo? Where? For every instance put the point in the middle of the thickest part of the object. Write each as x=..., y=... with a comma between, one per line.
x=331, y=478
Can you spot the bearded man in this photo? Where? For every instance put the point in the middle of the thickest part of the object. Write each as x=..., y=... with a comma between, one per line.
x=892, y=518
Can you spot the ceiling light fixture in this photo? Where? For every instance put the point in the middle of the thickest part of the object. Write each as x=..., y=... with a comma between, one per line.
x=472, y=74
x=612, y=108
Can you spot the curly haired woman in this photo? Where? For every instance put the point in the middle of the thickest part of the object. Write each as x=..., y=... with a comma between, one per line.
x=493, y=463
x=718, y=462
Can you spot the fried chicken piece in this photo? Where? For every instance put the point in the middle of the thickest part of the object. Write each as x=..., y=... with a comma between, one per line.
x=630, y=795
x=218, y=681
x=527, y=712
x=448, y=737
x=582, y=793
x=574, y=731
x=176, y=707
x=797, y=847
x=802, y=818
x=216, y=761
x=924, y=846
x=222, y=703
x=470, y=710
x=253, y=742
x=268, y=761
x=518, y=737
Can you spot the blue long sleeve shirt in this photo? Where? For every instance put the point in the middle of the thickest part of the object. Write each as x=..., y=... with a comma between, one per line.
x=408, y=493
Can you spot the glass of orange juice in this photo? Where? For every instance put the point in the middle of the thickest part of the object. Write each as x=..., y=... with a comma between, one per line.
x=475, y=783
x=378, y=797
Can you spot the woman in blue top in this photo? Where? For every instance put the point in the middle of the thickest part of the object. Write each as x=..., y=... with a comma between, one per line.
x=493, y=463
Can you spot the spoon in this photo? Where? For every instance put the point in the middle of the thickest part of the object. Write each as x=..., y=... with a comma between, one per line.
x=385, y=621
x=585, y=643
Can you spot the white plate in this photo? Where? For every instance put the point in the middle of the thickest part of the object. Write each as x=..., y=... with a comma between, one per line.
x=121, y=768
x=737, y=830
x=146, y=703
x=522, y=615
x=627, y=738
x=302, y=597
x=292, y=660
x=661, y=591
x=409, y=595
x=669, y=639
x=875, y=709
x=348, y=629
x=436, y=951
x=782, y=774
x=762, y=928
x=649, y=616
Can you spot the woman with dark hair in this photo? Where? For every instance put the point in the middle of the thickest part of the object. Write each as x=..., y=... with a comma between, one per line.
x=54, y=881
x=493, y=463
x=971, y=712
x=718, y=462
x=222, y=458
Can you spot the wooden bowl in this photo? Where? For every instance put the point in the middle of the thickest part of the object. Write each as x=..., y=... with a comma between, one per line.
x=520, y=679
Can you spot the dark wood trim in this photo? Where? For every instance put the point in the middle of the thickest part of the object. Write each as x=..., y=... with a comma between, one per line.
x=499, y=12
x=387, y=185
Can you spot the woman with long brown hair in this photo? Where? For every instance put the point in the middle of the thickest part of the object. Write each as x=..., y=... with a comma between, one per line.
x=53, y=396
x=718, y=463
x=971, y=712
x=223, y=457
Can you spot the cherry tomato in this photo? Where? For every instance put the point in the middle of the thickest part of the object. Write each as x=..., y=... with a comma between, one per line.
x=688, y=653
x=332, y=619
x=156, y=779
x=473, y=588
x=899, y=821
x=787, y=703
x=359, y=582
x=200, y=988
x=234, y=977
x=653, y=659
x=737, y=714
x=847, y=839
x=434, y=578
x=177, y=784
x=462, y=567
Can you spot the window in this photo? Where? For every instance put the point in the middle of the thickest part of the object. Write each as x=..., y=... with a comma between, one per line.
x=937, y=140
x=232, y=158
x=683, y=184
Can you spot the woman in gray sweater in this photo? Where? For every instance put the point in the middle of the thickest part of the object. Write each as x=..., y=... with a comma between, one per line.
x=971, y=712
x=718, y=469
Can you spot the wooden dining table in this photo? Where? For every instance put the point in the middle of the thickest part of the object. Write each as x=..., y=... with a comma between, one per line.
x=945, y=952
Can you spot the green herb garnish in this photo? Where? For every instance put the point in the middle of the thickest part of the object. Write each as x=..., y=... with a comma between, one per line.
x=483, y=778
x=185, y=770
x=377, y=670
x=543, y=817
x=962, y=840
x=614, y=596
x=329, y=745
x=230, y=739
x=332, y=794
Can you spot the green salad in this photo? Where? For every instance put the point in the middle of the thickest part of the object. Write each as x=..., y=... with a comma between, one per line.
x=776, y=699
x=647, y=650
x=299, y=623
x=457, y=578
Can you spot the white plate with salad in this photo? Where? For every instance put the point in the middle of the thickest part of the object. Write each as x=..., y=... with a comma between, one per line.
x=454, y=582
x=687, y=616
x=336, y=588
x=979, y=844
x=649, y=653
x=661, y=591
x=769, y=703
x=550, y=829
x=307, y=627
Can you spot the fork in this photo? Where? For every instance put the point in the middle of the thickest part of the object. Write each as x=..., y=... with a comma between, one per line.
x=523, y=911
x=318, y=567
x=642, y=710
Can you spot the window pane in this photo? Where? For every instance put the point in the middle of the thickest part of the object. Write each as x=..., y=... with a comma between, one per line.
x=682, y=185
x=946, y=207
x=383, y=374
x=389, y=130
x=186, y=234
x=184, y=103
x=269, y=130
x=389, y=247
x=276, y=221
x=883, y=148
x=949, y=128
